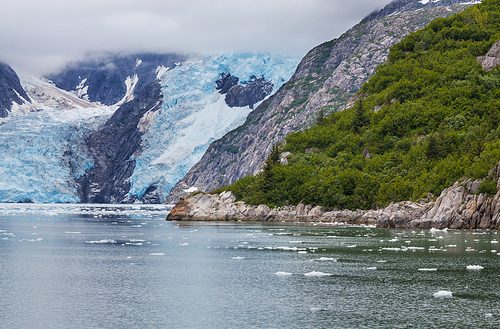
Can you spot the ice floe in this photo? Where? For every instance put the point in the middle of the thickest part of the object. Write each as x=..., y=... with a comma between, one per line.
x=317, y=274
x=474, y=267
x=443, y=293
x=427, y=269
x=324, y=259
x=103, y=241
x=282, y=274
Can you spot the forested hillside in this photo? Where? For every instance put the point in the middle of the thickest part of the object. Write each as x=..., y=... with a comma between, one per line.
x=427, y=118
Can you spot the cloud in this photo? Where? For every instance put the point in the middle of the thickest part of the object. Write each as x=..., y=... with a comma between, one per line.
x=41, y=36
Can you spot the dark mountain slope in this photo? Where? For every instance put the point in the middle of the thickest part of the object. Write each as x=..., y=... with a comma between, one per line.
x=104, y=80
x=10, y=90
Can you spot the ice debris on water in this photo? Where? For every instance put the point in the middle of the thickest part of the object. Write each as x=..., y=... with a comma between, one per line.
x=317, y=274
x=474, y=267
x=103, y=241
x=443, y=294
x=427, y=269
x=324, y=259
x=282, y=274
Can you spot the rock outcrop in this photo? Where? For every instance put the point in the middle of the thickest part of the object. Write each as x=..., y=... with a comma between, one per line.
x=11, y=90
x=492, y=57
x=325, y=79
x=460, y=206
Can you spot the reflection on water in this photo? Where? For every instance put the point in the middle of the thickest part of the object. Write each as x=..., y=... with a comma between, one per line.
x=76, y=266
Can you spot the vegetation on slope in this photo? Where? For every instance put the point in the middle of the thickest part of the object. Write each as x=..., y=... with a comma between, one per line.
x=427, y=118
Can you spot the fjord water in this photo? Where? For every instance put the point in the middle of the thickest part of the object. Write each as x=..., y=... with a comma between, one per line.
x=76, y=266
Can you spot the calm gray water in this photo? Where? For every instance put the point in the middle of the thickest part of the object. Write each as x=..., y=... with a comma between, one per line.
x=67, y=266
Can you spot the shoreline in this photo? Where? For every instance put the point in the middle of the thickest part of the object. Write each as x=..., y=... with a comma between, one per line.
x=460, y=206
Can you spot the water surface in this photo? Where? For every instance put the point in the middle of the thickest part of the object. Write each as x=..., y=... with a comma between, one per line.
x=98, y=266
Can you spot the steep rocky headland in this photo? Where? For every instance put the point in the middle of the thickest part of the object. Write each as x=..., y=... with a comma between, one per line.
x=325, y=79
x=460, y=206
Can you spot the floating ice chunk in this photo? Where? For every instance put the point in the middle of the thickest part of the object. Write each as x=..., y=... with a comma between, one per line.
x=324, y=259
x=282, y=274
x=474, y=267
x=317, y=274
x=238, y=258
x=287, y=248
x=155, y=254
x=494, y=241
x=443, y=293
x=451, y=246
x=351, y=246
x=428, y=269
x=371, y=268
x=103, y=241
x=67, y=232
x=302, y=252
x=381, y=261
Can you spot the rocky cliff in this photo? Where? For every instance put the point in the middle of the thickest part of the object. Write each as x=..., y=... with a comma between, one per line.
x=461, y=206
x=11, y=90
x=325, y=79
x=113, y=147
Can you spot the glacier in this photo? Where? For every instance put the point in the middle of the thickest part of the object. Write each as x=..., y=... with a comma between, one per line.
x=194, y=114
x=43, y=154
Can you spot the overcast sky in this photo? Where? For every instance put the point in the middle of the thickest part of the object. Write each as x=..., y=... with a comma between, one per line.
x=38, y=36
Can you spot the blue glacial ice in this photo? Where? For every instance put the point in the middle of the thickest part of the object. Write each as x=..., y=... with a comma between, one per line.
x=43, y=154
x=194, y=114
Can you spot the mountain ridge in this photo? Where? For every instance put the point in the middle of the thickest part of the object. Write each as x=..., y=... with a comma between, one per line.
x=325, y=79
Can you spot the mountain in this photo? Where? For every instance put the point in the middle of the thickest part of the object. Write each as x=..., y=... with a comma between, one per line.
x=425, y=124
x=326, y=78
x=11, y=91
x=114, y=78
x=152, y=141
x=61, y=147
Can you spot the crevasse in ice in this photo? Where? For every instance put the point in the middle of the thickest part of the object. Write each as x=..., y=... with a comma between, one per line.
x=194, y=114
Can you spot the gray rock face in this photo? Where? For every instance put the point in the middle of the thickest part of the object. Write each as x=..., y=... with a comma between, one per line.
x=248, y=94
x=240, y=95
x=492, y=57
x=458, y=207
x=325, y=79
x=10, y=90
x=112, y=148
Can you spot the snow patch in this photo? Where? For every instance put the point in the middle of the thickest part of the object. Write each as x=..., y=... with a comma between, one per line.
x=160, y=70
x=130, y=82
